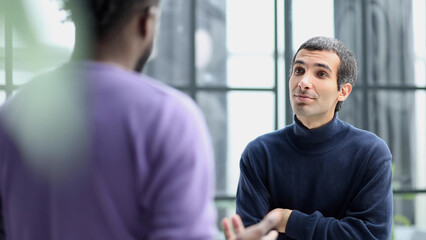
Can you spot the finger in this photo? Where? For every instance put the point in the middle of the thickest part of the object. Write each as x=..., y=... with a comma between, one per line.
x=227, y=229
x=238, y=224
x=272, y=235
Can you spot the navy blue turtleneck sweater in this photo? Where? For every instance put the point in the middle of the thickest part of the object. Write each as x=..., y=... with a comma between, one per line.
x=336, y=179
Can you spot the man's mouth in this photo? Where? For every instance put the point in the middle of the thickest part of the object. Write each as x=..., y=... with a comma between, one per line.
x=302, y=97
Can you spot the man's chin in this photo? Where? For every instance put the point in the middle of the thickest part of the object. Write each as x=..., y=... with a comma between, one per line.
x=303, y=111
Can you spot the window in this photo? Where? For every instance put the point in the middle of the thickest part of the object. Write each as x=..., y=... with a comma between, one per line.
x=228, y=61
x=3, y=59
x=416, y=189
x=233, y=71
x=388, y=39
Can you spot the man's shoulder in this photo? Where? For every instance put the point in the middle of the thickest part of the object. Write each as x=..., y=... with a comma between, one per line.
x=172, y=101
x=104, y=87
x=269, y=140
x=129, y=83
x=360, y=135
x=362, y=139
x=130, y=90
x=269, y=136
x=169, y=94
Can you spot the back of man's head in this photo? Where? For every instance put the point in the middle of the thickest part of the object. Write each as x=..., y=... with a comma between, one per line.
x=101, y=17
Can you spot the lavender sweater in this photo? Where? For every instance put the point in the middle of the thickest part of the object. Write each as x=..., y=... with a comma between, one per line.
x=91, y=151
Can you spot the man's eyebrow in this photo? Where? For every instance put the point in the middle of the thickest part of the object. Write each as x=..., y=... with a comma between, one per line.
x=322, y=65
x=299, y=62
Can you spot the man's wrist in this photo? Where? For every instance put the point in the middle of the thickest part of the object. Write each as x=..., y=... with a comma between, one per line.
x=284, y=217
x=287, y=213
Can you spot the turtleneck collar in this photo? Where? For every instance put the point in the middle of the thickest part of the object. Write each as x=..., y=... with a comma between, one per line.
x=318, y=140
x=316, y=135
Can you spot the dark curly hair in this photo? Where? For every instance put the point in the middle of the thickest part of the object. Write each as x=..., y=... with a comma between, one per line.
x=347, y=72
x=101, y=16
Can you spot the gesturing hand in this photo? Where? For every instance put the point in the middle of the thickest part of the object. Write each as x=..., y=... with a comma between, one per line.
x=254, y=232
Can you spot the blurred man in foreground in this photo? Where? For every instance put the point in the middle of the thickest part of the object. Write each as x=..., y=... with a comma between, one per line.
x=92, y=150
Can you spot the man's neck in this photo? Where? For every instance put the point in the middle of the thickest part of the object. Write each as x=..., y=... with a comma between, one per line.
x=313, y=123
x=103, y=53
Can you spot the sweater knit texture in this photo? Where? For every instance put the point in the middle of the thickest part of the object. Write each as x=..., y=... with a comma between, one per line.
x=336, y=179
x=91, y=151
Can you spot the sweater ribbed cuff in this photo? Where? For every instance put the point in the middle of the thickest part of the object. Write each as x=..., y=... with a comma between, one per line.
x=296, y=225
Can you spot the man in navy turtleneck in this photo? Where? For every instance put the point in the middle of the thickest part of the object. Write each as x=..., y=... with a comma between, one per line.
x=325, y=178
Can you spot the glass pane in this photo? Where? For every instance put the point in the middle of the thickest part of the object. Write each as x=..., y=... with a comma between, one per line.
x=419, y=22
x=282, y=90
x=2, y=51
x=352, y=109
x=234, y=119
x=210, y=42
x=250, y=26
x=225, y=208
x=2, y=97
x=2, y=71
x=395, y=72
x=171, y=58
x=419, y=25
x=50, y=23
x=250, y=114
x=399, y=118
x=419, y=134
x=215, y=108
x=321, y=14
x=420, y=73
x=2, y=30
x=224, y=31
x=251, y=71
x=390, y=51
x=409, y=218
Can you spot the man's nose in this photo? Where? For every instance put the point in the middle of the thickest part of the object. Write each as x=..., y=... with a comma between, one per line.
x=305, y=82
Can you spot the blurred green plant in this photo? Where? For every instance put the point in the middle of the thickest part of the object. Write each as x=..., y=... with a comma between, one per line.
x=400, y=219
x=225, y=204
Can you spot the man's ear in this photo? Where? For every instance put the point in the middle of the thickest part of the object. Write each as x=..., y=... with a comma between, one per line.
x=344, y=92
x=148, y=21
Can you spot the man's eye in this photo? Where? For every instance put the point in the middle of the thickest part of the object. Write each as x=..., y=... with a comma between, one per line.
x=322, y=74
x=299, y=70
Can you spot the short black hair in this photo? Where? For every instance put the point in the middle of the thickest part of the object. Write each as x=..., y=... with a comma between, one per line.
x=347, y=72
x=101, y=16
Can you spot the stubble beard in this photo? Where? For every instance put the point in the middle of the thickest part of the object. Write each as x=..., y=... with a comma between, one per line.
x=144, y=58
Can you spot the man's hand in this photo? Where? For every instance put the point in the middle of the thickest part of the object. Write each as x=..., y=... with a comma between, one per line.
x=254, y=232
x=283, y=216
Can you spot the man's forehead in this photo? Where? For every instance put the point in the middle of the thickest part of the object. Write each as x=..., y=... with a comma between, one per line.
x=316, y=53
x=317, y=57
